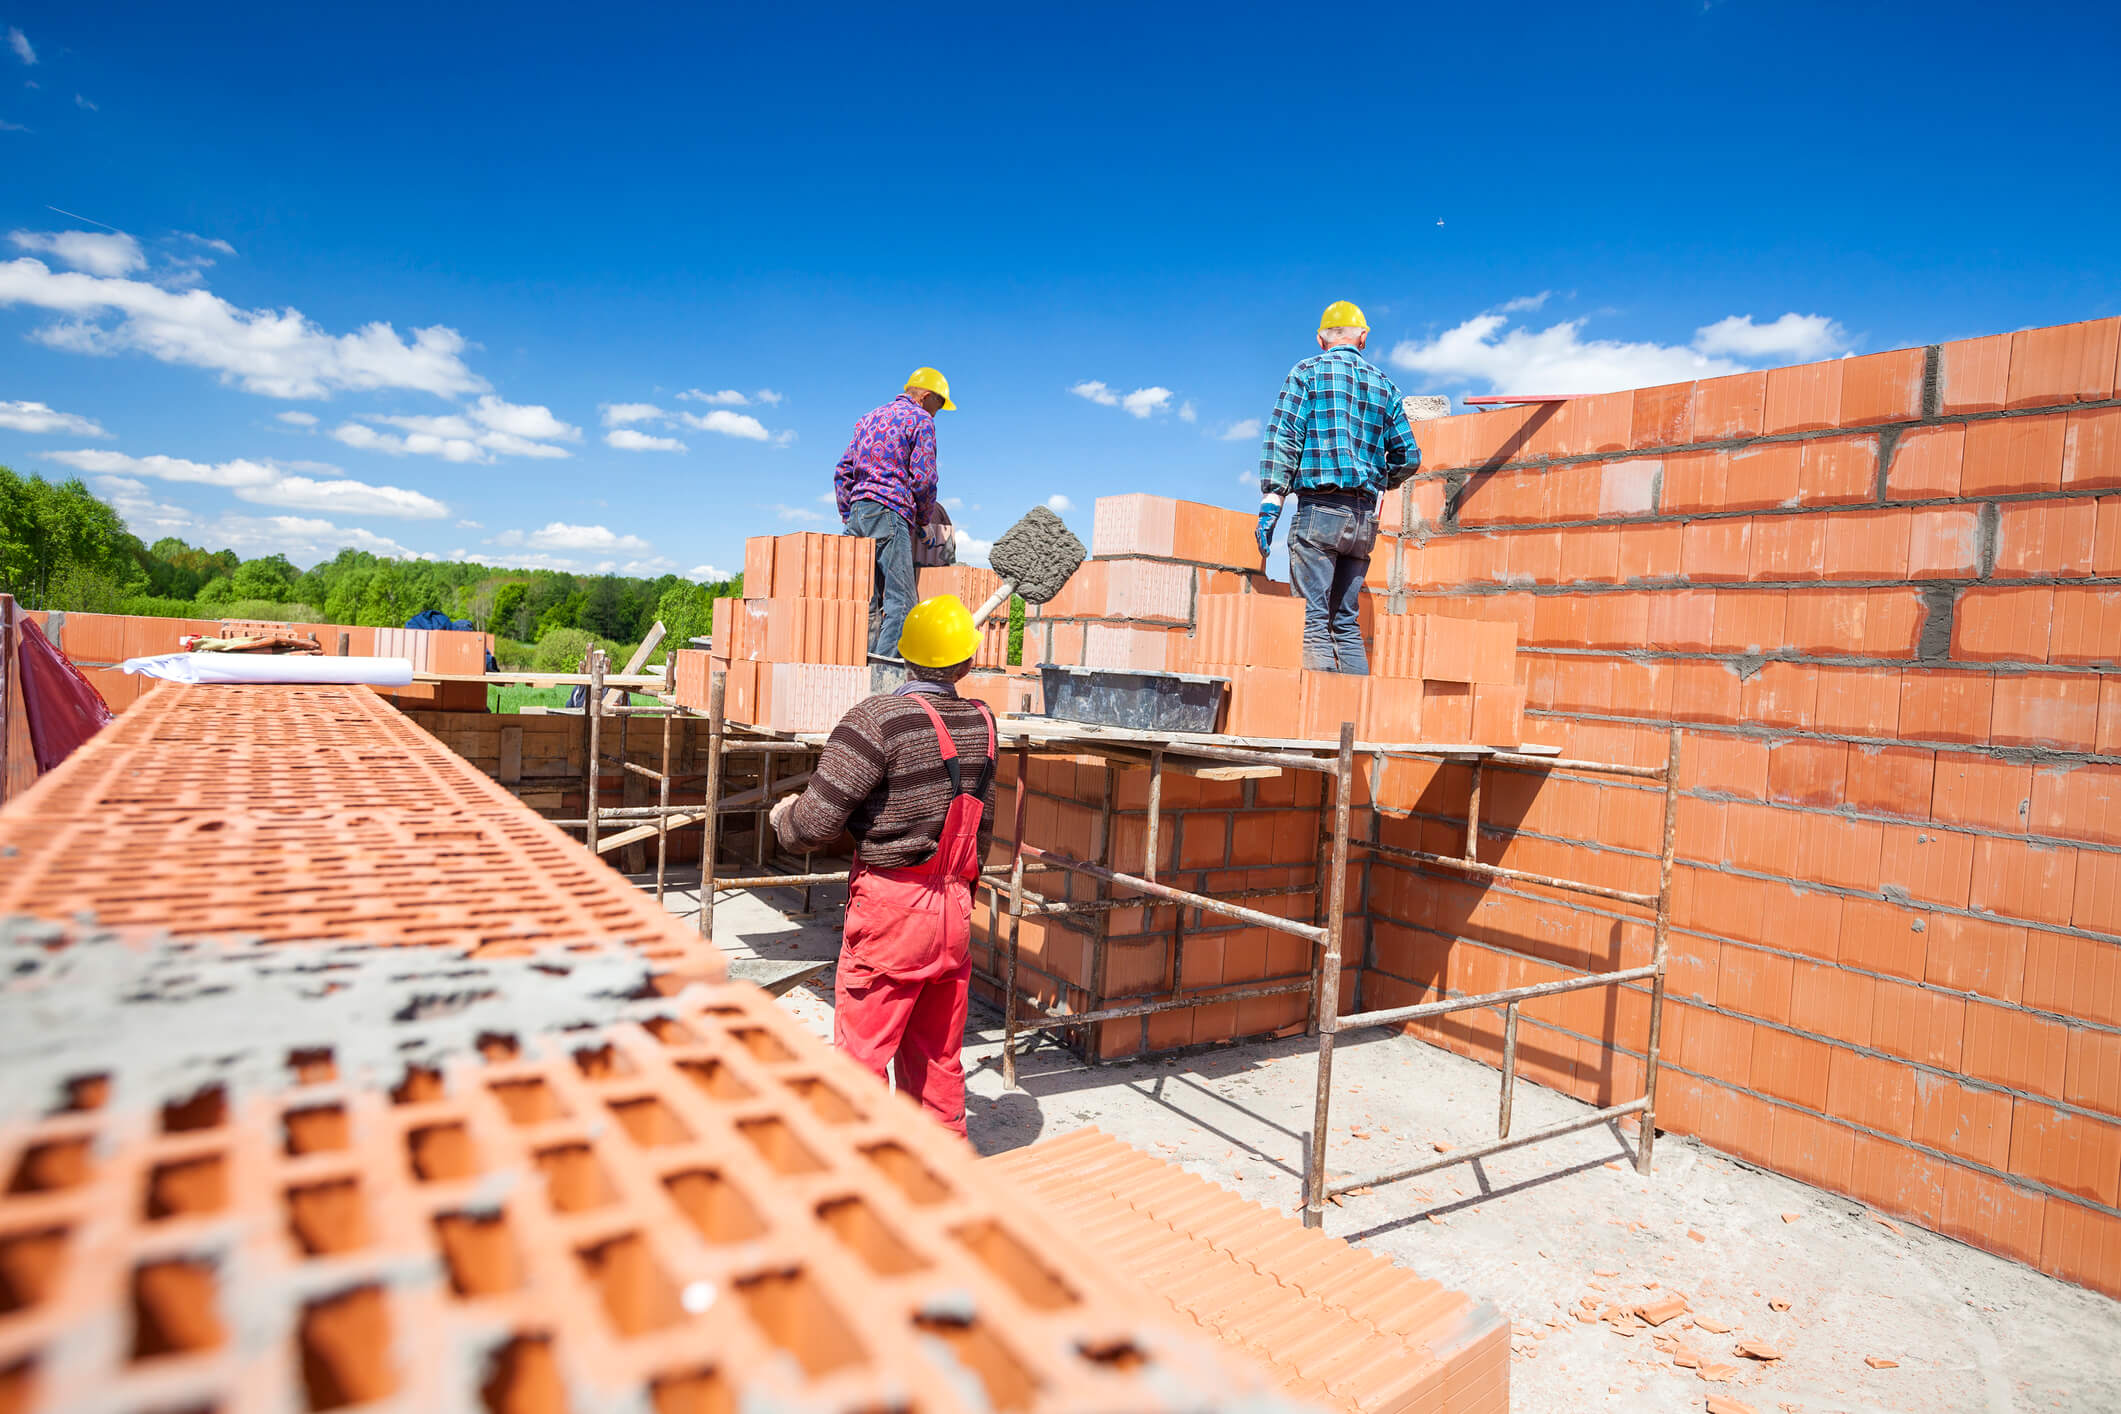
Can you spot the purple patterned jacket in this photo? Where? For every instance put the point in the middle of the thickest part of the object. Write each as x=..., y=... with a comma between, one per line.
x=891, y=460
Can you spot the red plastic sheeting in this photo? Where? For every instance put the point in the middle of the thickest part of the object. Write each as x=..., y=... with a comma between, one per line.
x=63, y=707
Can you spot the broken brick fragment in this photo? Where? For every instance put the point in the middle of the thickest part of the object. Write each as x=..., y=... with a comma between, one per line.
x=1665, y=1308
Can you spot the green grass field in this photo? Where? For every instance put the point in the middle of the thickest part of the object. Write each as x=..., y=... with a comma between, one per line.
x=515, y=699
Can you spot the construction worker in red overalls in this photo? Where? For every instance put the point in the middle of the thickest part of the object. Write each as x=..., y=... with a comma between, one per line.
x=910, y=774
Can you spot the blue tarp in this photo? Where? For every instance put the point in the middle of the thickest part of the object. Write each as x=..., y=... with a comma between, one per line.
x=435, y=618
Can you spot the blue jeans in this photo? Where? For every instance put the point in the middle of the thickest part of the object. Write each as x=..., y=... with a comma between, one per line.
x=1329, y=553
x=892, y=594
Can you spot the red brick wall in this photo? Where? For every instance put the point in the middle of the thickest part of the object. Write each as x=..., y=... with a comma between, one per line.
x=1882, y=596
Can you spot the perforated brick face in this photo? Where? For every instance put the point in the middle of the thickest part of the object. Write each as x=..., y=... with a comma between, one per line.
x=274, y=1178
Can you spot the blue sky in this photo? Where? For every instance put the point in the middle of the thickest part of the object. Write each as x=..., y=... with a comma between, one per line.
x=437, y=279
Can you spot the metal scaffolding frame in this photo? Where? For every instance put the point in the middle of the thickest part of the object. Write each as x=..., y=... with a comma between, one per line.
x=1010, y=899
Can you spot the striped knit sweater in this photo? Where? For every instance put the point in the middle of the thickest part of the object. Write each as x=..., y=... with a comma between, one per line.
x=882, y=780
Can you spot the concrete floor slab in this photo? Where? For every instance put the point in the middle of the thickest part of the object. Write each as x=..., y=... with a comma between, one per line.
x=1539, y=1231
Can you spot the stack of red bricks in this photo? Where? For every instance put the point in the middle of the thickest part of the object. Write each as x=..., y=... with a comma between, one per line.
x=994, y=680
x=98, y=643
x=796, y=647
x=1881, y=596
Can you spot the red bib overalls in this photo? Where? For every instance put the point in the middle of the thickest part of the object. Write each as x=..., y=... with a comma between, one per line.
x=905, y=969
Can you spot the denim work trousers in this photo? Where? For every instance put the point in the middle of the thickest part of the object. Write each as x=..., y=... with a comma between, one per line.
x=1329, y=553
x=892, y=594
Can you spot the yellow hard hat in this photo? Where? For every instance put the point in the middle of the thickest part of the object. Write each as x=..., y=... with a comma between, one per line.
x=928, y=380
x=1341, y=314
x=939, y=633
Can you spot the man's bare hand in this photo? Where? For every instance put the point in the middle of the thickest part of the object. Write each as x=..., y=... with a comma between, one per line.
x=780, y=810
x=935, y=534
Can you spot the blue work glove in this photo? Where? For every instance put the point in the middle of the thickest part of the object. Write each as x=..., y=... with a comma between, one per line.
x=1269, y=517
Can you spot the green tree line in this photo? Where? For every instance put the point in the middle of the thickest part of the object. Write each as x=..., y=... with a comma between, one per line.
x=61, y=548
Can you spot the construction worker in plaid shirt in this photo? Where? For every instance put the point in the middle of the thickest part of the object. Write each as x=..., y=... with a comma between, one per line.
x=1338, y=437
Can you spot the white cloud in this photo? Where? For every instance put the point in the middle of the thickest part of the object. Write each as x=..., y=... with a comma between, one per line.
x=297, y=419
x=1186, y=412
x=784, y=438
x=1794, y=338
x=728, y=397
x=37, y=417
x=951, y=503
x=1097, y=393
x=1059, y=503
x=471, y=525
x=1557, y=359
x=210, y=242
x=619, y=414
x=303, y=539
x=19, y=42
x=971, y=551
x=628, y=440
x=488, y=428
x=1243, y=431
x=1524, y=304
x=276, y=353
x=97, y=252
x=80, y=102
x=559, y=535
x=768, y=397
x=1143, y=401
x=705, y=574
x=795, y=513
x=266, y=483
x=729, y=424
x=7, y=127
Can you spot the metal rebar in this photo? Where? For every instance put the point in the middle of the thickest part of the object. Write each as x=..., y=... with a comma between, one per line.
x=634, y=767
x=1473, y=819
x=1328, y=990
x=1156, y=810
x=1165, y=891
x=1054, y=1021
x=1647, y=1139
x=1497, y=871
x=596, y=721
x=1509, y=1069
x=662, y=819
x=1562, y=763
x=1482, y=1151
x=782, y=881
x=1101, y=919
x=762, y=814
x=716, y=694
x=1421, y=1011
x=1016, y=921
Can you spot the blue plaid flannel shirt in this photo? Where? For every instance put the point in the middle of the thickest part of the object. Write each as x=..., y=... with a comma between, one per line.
x=1338, y=425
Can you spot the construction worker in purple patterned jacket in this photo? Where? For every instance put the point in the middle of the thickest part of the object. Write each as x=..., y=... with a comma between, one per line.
x=1339, y=436
x=885, y=490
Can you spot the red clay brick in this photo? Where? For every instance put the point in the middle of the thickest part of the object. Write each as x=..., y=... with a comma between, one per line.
x=1757, y=984
x=2014, y=1048
x=2077, y=802
x=1942, y=705
x=1694, y=481
x=2097, y=904
x=1712, y=691
x=1883, y=937
x=1882, y=387
x=2020, y=879
x=1662, y=416
x=1838, y=470
x=2109, y=743
x=1533, y=557
x=1829, y=622
x=1919, y=1024
x=1976, y=373
x=2044, y=709
x=1790, y=1067
x=2073, y=976
x=2068, y=363
x=2091, y=449
x=1875, y=1093
x=1650, y=552
x=2086, y=626
x=2013, y=454
x=1992, y=1214
x=1928, y=865
x=1787, y=547
x=2002, y=625
x=1765, y=476
x=1828, y=1000
x=1590, y=554
x=1896, y=1179
x=1944, y=543
x=1623, y=488
x=2073, y=1152
x=1805, y=772
x=1858, y=702
x=2092, y=1074
x=1712, y=550
x=1982, y=791
x=1812, y=1149
x=1976, y=955
x=1962, y=1121
x=2045, y=538
x=1804, y=398
x=1888, y=780
x=1781, y=695
x=1750, y=620
x=1868, y=544
x=1926, y=463
x=1728, y=407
